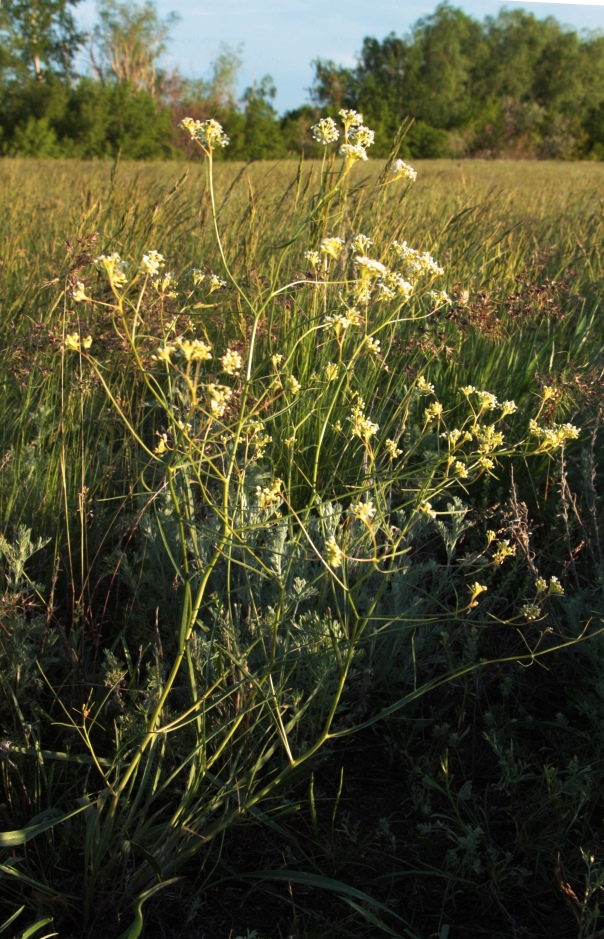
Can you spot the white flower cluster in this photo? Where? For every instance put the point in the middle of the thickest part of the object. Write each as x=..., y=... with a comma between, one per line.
x=152, y=262
x=209, y=133
x=402, y=170
x=416, y=263
x=357, y=137
x=326, y=131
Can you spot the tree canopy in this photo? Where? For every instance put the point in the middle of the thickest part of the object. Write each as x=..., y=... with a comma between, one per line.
x=510, y=85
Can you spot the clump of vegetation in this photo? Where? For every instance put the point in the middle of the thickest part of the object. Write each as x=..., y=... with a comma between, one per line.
x=285, y=500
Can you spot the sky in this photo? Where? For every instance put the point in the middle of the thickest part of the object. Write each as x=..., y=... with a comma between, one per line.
x=282, y=37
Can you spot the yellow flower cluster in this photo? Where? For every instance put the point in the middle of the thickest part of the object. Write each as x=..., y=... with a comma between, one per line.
x=220, y=396
x=75, y=344
x=333, y=553
x=363, y=510
x=231, y=362
x=361, y=426
x=268, y=496
x=553, y=436
x=115, y=268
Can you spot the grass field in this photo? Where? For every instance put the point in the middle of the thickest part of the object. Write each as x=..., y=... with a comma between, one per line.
x=297, y=636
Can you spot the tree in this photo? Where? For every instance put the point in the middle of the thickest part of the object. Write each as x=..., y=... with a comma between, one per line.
x=38, y=37
x=128, y=42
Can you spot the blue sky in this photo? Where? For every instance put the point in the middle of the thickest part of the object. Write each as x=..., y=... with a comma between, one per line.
x=281, y=37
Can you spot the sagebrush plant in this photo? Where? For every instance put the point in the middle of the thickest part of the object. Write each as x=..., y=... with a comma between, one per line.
x=293, y=477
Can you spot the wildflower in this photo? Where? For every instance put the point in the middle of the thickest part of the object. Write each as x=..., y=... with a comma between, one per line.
x=425, y=508
x=339, y=321
x=194, y=350
x=333, y=553
x=353, y=316
x=485, y=463
x=370, y=267
x=259, y=438
x=373, y=344
x=331, y=371
x=209, y=133
x=384, y=292
x=197, y=275
x=363, y=510
x=290, y=441
x=75, y=344
x=362, y=427
x=402, y=170
x=276, y=360
x=268, y=496
x=115, y=268
x=231, y=362
x=350, y=118
x=397, y=284
x=164, y=284
x=78, y=293
x=292, y=384
x=504, y=550
x=475, y=590
x=164, y=352
x=313, y=257
x=508, y=407
x=392, y=449
x=423, y=387
x=531, y=611
x=353, y=152
x=555, y=587
x=440, y=297
x=488, y=437
x=491, y=535
x=332, y=246
x=541, y=585
x=416, y=263
x=325, y=131
x=361, y=136
x=360, y=244
x=162, y=446
x=152, y=262
x=219, y=399
x=468, y=390
x=216, y=283
x=456, y=436
x=433, y=412
x=460, y=469
x=487, y=400
x=555, y=435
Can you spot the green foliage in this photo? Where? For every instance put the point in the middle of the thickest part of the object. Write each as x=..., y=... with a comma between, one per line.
x=39, y=38
x=511, y=84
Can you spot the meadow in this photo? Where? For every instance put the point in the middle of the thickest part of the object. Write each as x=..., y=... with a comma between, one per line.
x=301, y=624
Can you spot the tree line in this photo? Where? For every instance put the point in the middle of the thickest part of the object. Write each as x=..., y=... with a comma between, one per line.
x=511, y=85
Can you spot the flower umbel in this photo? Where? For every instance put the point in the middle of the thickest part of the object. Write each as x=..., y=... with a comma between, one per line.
x=325, y=131
x=209, y=133
x=402, y=170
